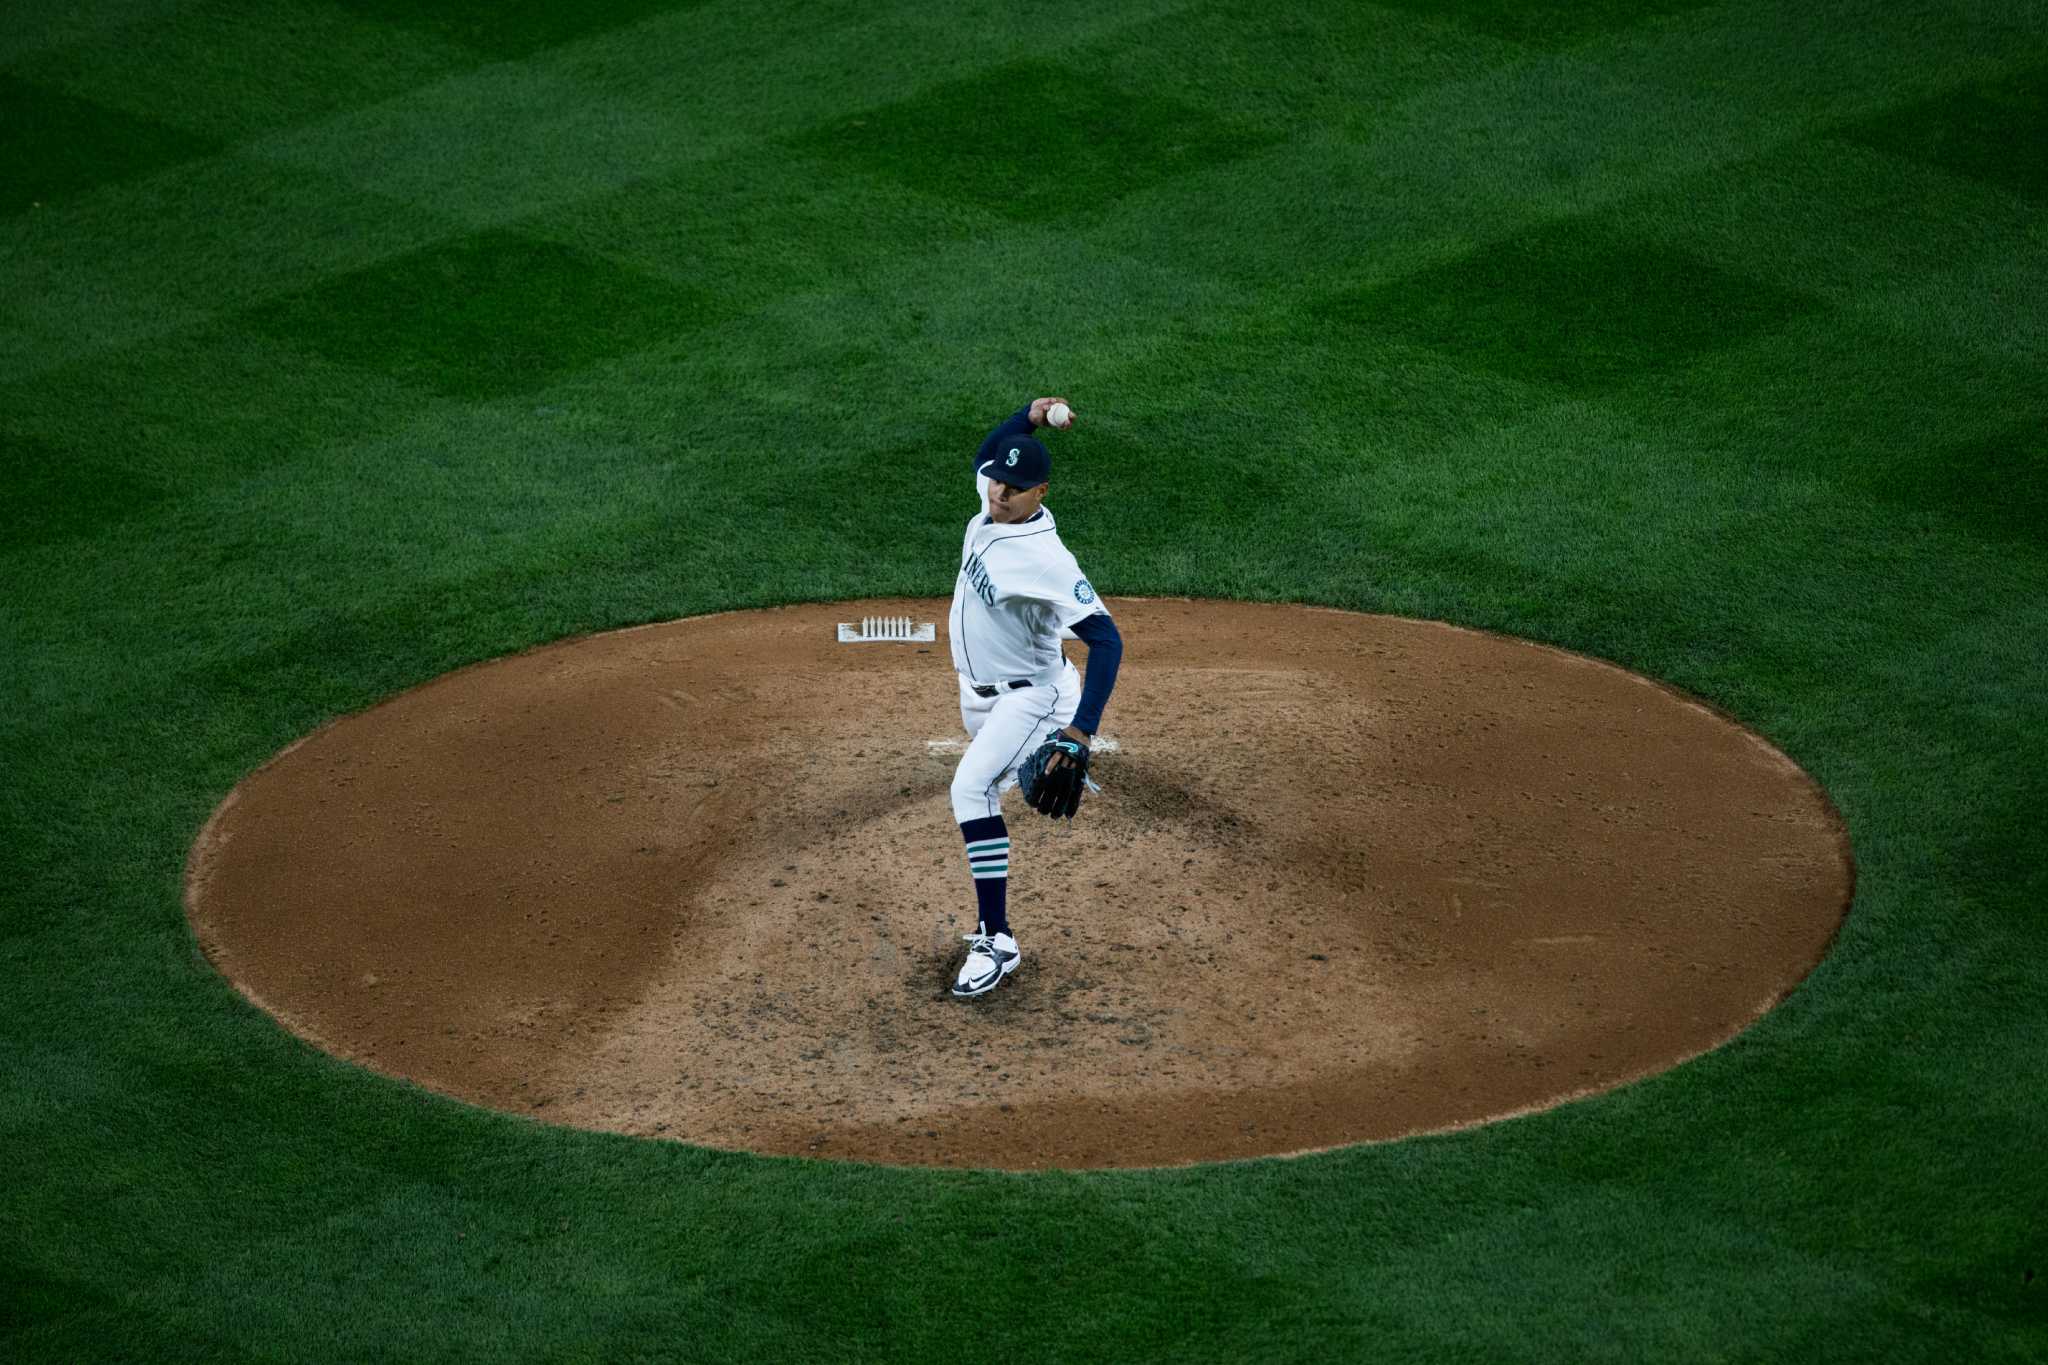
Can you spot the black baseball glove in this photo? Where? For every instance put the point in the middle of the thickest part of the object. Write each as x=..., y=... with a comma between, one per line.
x=1050, y=789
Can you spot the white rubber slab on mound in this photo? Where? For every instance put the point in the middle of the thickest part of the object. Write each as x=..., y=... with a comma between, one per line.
x=899, y=629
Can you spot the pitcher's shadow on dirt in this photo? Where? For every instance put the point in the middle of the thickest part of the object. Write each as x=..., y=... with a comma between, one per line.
x=1146, y=794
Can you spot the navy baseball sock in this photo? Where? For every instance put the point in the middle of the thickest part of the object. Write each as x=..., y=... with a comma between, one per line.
x=988, y=858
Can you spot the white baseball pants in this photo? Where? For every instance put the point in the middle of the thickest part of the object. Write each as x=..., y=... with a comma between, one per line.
x=1003, y=731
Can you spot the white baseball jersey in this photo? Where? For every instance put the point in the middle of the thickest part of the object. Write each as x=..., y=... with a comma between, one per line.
x=1018, y=591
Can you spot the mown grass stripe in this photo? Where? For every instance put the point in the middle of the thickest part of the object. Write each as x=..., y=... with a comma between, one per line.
x=54, y=145
x=523, y=119
x=231, y=71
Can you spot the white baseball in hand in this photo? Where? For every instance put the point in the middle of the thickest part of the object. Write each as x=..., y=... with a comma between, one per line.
x=1059, y=415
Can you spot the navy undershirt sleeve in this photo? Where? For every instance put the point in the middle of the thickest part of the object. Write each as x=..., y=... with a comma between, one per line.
x=1105, y=652
x=1017, y=423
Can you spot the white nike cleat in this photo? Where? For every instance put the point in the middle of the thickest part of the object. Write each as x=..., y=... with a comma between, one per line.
x=990, y=958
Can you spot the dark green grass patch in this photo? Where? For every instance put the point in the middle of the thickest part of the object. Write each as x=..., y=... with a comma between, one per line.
x=1569, y=306
x=505, y=29
x=228, y=69
x=124, y=428
x=34, y=1298
x=1548, y=23
x=53, y=144
x=1886, y=238
x=53, y=492
x=1034, y=140
x=1995, y=131
x=1314, y=69
x=488, y=315
x=148, y=258
x=1994, y=485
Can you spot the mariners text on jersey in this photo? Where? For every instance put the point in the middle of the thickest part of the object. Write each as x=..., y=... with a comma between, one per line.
x=978, y=579
x=1018, y=589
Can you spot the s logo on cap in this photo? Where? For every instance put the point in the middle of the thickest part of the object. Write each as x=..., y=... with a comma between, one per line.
x=1012, y=461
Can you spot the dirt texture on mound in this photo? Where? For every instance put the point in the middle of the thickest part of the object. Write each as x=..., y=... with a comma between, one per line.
x=1349, y=877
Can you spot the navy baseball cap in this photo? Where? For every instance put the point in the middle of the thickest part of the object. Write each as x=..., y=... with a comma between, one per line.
x=1020, y=461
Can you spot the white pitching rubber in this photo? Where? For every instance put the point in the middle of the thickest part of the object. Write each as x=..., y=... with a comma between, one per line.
x=903, y=629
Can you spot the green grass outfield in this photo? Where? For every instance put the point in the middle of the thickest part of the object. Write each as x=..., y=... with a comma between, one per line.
x=343, y=342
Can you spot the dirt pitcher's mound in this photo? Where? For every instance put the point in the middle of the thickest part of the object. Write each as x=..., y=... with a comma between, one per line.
x=1349, y=877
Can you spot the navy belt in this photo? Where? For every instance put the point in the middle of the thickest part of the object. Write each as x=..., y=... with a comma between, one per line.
x=991, y=689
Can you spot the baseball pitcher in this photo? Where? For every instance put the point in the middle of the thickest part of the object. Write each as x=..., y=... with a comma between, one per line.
x=1028, y=714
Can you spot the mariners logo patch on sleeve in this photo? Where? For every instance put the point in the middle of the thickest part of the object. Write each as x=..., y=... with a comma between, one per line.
x=1083, y=593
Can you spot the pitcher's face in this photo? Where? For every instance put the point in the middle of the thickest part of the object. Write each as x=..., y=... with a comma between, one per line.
x=1008, y=506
